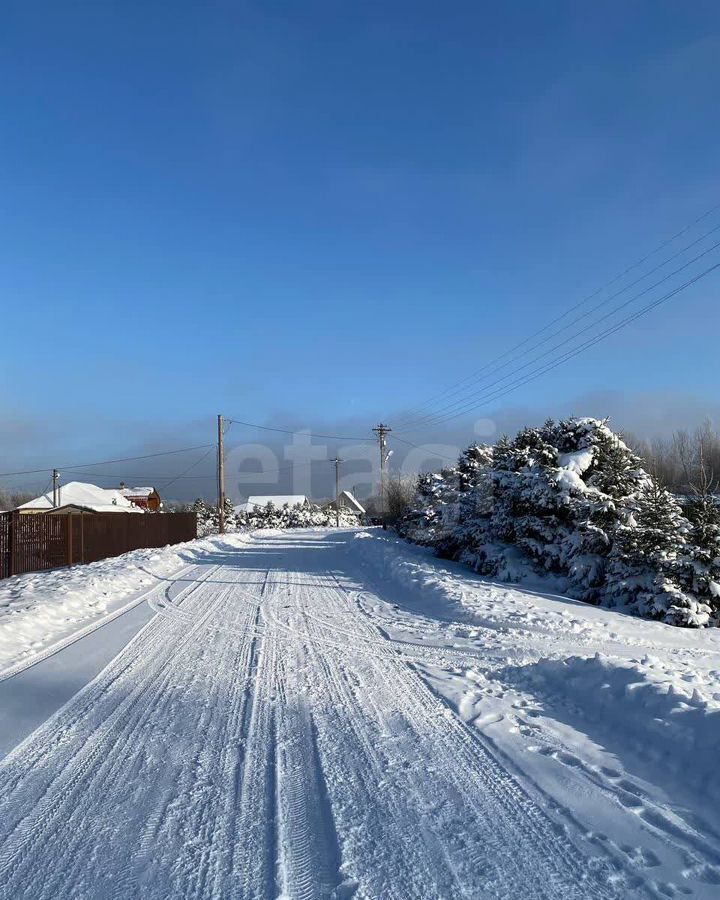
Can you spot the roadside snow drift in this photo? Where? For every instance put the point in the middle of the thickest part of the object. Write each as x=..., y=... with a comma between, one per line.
x=40, y=608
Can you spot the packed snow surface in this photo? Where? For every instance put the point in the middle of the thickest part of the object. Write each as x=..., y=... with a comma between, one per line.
x=335, y=714
x=40, y=608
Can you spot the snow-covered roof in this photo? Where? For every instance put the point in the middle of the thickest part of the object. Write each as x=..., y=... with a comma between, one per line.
x=85, y=496
x=348, y=502
x=351, y=502
x=137, y=491
x=278, y=501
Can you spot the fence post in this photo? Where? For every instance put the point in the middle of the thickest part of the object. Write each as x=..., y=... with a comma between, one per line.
x=69, y=539
x=11, y=543
x=82, y=535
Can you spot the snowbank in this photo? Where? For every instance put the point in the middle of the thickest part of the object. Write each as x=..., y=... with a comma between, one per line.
x=588, y=702
x=41, y=607
x=416, y=568
x=390, y=558
x=652, y=713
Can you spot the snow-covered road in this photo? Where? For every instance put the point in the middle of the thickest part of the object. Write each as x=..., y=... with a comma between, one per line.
x=296, y=722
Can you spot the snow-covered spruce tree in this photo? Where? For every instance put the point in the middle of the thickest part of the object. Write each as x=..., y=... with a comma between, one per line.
x=443, y=502
x=230, y=518
x=703, y=554
x=536, y=498
x=212, y=516
x=466, y=518
x=604, y=476
x=306, y=515
x=268, y=516
x=606, y=524
x=571, y=498
x=435, y=493
x=204, y=515
x=649, y=569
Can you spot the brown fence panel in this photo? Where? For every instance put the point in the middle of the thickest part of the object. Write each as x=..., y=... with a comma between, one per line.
x=32, y=543
x=5, y=533
x=102, y=535
x=38, y=542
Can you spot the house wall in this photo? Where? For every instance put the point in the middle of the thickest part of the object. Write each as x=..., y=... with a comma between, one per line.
x=151, y=502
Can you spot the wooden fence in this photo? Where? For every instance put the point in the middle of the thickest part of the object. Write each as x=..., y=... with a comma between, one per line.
x=38, y=541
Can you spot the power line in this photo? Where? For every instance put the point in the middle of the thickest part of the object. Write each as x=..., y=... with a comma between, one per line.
x=289, y=468
x=76, y=469
x=457, y=403
x=586, y=299
x=577, y=350
x=329, y=437
x=28, y=487
x=452, y=459
x=491, y=368
x=184, y=474
x=157, y=476
x=107, y=462
x=507, y=389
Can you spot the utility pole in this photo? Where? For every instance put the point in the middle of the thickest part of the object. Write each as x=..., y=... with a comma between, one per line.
x=221, y=476
x=337, y=462
x=56, y=476
x=381, y=431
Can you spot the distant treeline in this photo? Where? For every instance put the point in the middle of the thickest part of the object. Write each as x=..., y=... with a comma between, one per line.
x=678, y=461
x=11, y=499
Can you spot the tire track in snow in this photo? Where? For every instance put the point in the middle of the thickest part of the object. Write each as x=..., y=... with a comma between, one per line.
x=559, y=861
x=105, y=770
x=380, y=828
x=397, y=698
x=33, y=750
x=25, y=664
x=309, y=854
x=201, y=823
x=254, y=860
x=264, y=739
x=62, y=802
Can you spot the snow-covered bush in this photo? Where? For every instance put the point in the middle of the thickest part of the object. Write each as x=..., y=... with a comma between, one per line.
x=447, y=501
x=208, y=519
x=299, y=516
x=574, y=501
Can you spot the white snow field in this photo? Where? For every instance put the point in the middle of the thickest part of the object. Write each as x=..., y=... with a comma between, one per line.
x=41, y=609
x=335, y=714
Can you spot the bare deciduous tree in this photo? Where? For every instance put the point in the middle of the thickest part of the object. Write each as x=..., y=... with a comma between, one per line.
x=399, y=495
x=678, y=462
x=11, y=499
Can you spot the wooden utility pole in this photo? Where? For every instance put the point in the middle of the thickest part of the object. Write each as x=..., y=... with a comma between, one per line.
x=221, y=476
x=337, y=462
x=381, y=431
x=56, y=476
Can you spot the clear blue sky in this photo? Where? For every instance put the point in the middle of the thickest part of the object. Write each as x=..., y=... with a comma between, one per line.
x=321, y=212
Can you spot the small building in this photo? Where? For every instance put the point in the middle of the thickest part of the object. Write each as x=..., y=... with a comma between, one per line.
x=77, y=496
x=277, y=500
x=348, y=503
x=144, y=497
